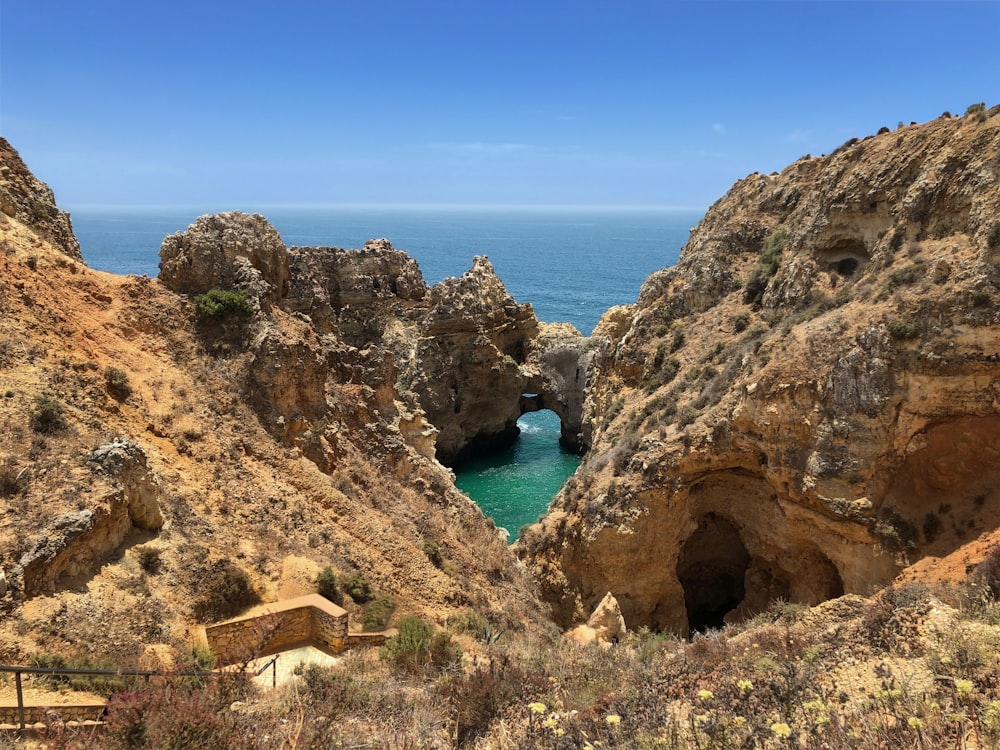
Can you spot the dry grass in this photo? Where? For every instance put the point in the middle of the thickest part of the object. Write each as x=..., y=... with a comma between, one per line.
x=904, y=668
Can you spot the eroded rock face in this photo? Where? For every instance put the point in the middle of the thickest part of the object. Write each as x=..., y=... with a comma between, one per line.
x=806, y=402
x=74, y=544
x=227, y=251
x=467, y=363
x=29, y=200
x=357, y=293
x=561, y=361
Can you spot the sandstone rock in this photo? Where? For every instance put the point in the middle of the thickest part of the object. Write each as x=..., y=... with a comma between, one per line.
x=782, y=412
x=357, y=293
x=563, y=360
x=467, y=367
x=25, y=198
x=227, y=251
x=124, y=461
x=607, y=620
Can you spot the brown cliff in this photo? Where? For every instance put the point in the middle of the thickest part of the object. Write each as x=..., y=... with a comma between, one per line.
x=807, y=402
x=161, y=469
x=30, y=201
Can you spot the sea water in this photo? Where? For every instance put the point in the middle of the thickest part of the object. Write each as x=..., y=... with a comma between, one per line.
x=570, y=264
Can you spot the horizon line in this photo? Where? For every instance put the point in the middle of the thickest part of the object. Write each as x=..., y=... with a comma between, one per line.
x=209, y=207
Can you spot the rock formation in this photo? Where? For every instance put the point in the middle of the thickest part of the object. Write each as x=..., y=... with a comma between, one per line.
x=28, y=200
x=806, y=402
x=227, y=251
x=467, y=364
x=275, y=435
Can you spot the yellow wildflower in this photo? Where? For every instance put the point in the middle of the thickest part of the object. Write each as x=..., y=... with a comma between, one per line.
x=613, y=719
x=537, y=708
x=915, y=723
x=745, y=686
x=706, y=695
x=550, y=723
x=781, y=729
x=964, y=688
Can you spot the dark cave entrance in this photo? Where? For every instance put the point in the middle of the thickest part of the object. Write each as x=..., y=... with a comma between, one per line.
x=711, y=570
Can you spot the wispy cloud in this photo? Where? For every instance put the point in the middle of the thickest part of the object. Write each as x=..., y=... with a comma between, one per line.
x=478, y=147
x=718, y=128
x=799, y=136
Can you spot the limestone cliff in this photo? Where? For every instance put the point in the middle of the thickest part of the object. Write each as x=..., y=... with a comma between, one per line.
x=807, y=401
x=27, y=199
x=162, y=467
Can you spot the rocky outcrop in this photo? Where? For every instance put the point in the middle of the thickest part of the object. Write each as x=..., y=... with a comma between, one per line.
x=460, y=349
x=252, y=441
x=227, y=251
x=466, y=366
x=605, y=625
x=74, y=544
x=29, y=200
x=806, y=402
x=357, y=293
x=561, y=361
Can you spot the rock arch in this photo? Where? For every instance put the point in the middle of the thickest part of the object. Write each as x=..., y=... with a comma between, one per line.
x=561, y=361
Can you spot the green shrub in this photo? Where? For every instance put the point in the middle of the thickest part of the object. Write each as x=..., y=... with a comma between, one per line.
x=358, y=588
x=433, y=552
x=740, y=322
x=117, y=383
x=13, y=481
x=767, y=266
x=203, y=656
x=981, y=299
x=149, y=559
x=931, y=526
x=468, y=621
x=378, y=613
x=326, y=584
x=48, y=416
x=903, y=330
x=98, y=683
x=223, y=303
x=416, y=647
x=224, y=590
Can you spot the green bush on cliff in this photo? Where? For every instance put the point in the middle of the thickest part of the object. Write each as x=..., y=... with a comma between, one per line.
x=48, y=416
x=767, y=266
x=416, y=647
x=223, y=303
x=326, y=585
x=358, y=588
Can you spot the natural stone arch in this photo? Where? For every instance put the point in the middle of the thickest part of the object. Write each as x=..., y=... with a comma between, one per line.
x=561, y=361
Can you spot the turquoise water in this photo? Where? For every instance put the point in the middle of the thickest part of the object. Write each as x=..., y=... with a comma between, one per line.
x=571, y=265
x=514, y=487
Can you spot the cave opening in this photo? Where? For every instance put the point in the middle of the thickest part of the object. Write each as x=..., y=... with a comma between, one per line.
x=847, y=266
x=712, y=569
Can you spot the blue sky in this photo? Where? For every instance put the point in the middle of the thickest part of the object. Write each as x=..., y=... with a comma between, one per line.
x=251, y=104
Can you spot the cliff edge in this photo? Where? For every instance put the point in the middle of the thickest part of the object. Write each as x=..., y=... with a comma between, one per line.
x=807, y=402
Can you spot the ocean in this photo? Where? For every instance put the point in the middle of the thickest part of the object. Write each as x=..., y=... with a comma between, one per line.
x=570, y=264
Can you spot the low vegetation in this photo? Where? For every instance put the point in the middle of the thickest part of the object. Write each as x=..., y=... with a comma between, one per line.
x=219, y=304
x=48, y=416
x=911, y=667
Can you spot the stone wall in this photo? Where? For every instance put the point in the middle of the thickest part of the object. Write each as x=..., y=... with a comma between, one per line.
x=305, y=620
